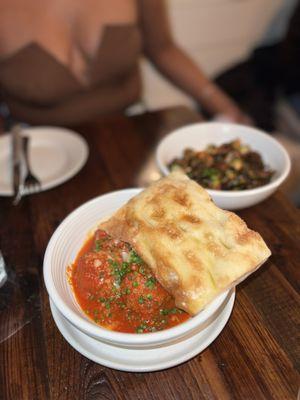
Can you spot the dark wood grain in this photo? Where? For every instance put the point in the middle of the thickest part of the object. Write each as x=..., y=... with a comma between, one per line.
x=257, y=356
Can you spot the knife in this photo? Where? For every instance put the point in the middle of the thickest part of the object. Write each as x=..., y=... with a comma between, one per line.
x=16, y=164
x=3, y=274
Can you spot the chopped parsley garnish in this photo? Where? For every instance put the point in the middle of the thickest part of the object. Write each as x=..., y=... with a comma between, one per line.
x=119, y=270
x=134, y=258
x=170, y=311
x=113, y=264
x=97, y=245
x=135, y=284
x=141, y=300
x=163, y=312
x=150, y=283
x=149, y=296
x=142, y=270
x=102, y=299
x=141, y=328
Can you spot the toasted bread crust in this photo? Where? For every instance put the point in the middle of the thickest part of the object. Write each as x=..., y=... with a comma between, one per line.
x=195, y=249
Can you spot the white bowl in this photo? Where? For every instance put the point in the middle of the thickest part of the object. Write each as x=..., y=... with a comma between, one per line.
x=198, y=136
x=62, y=250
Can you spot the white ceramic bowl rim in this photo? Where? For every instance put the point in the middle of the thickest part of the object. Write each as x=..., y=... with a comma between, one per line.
x=95, y=330
x=238, y=193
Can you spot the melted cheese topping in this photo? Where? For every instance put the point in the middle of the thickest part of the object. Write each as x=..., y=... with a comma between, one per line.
x=195, y=249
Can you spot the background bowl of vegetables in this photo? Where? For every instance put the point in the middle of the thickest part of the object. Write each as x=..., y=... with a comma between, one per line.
x=240, y=166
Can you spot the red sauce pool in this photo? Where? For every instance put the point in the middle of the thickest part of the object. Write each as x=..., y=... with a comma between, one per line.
x=118, y=291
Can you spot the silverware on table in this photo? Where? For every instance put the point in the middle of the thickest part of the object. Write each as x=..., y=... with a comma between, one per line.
x=31, y=182
x=17, y=162
x=3, y=274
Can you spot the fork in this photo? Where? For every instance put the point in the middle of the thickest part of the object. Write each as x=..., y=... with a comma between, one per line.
x=31, y=182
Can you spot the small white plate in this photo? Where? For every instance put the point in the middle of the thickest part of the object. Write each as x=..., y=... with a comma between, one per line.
x=55, y=154
x=144, y=360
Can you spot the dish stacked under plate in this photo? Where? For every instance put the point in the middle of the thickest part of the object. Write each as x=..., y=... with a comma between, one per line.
x=145, y=360
x=123, y=351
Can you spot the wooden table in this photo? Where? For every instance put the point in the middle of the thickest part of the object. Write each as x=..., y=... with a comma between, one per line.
x=257, y=355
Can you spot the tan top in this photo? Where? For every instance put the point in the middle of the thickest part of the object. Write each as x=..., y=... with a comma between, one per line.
x=25, y=77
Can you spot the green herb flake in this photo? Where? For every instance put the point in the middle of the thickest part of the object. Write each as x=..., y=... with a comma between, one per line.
x=102, y=299
x=98, y=245
x=142, y=270
x=119, y=271
x=141, y=328
x=113, y=264
x=141, y=300
x=135, y=284
x=150, y=282
x=134, y=258
x=163, y=312
x=149, y=296
x=170, y=311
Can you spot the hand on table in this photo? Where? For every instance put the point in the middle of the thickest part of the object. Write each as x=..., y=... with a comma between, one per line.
x=238, y=117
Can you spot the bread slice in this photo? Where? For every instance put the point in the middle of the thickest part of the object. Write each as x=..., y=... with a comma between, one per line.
x=195, y=249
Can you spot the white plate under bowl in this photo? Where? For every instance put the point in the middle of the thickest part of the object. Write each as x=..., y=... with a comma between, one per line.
x=55, y=154
x=144, y=360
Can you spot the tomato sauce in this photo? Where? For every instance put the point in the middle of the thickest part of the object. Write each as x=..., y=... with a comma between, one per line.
x=118, y=291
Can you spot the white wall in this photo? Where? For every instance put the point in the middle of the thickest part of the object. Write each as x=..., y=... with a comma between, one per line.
x=216, y=33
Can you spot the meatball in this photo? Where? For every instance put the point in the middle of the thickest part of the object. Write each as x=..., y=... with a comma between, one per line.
x=145, y=294
x=92, y=275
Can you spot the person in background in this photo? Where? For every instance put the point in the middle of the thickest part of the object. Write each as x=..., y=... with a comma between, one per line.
x=272, y=70
x=64, y=62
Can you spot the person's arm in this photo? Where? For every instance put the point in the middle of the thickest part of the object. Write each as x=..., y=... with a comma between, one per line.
x=109, y=99
x=177, y=66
